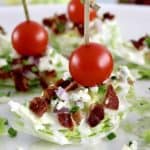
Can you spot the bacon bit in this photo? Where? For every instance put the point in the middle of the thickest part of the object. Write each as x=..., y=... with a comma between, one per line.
x=38, y=106
x=46, y=77
x=49, y=74
x=108, y=16
x=80, y=28
x=139, y=44
x=16, y=61
x=62, y=18
x=65, y=119
x=4, y=74
x=77, y=117
x=21, y=82
x=96, y=115
x=72, y=86
x=63, y=83
x=49, y=93
x=111, y=99
x=2, y=31
x=68, y=85
x=48, y=22
x=43, y=83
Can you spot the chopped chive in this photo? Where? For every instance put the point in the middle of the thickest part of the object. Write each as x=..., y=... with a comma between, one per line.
x=147, y=41
x=8, y=93
x=130, y=143
x=6, y=122
x=111, y=136
x=74, y=109
x=25, y=62
x=113, y=78
x=12, y=132
x=7, y=68
x=61, y=27
x=34, y=69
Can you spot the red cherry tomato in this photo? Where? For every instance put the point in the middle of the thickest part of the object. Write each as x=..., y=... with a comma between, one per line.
x=30, y=39
x=76, y=12
x=91, y=64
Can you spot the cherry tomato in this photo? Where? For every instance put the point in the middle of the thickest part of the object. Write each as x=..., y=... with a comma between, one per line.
x=30, y=39
x=91, y=64
x=76, y=12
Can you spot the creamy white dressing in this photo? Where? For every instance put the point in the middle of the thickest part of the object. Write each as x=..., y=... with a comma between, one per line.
x=133, y=146
x=66, y=76
x=81, y=94
x=45, y=64
x=109, y=34
x=3, y=62
x=131, y=55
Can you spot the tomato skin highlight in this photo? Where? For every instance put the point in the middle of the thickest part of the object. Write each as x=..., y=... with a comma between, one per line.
x=91, y=64
x=76, y=12
x=29, y=38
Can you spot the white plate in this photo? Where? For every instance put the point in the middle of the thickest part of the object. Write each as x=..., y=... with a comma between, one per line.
x=134, y=22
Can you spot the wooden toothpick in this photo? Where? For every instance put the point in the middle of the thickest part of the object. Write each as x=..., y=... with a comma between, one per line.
x=24, y=2
x=86, y=20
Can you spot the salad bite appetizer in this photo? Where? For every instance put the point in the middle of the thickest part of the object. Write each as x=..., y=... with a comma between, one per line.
x=26, y=62
x=87, y=103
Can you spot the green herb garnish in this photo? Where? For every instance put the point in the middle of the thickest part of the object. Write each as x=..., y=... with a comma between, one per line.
x=7, y=68
x=111, y=136
x=74, y=109
x=34, y=69
x=146, y=136
x=25, y=62
x=113, y=78
x=12, y=132
x=147, y=41
x=130, y=143
x=102, y=90
x=61, y=27
x=2, y=126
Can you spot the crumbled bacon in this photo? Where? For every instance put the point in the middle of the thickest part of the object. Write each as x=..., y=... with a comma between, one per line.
x=139, y=44
x=16, y=61
x=80, y=28
x=63, y=83
x=4, y=74
x=68, y=85
x=96, y=115
x=43, y=83
x=62, y=18
x=77, y=117
x=72, y=86
x=49, y=93
x=38, y=106
x=21, y=82
x=108, y=16
x=2, y=31
x=65, y=119
x=46, y=77
x=111, y=99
